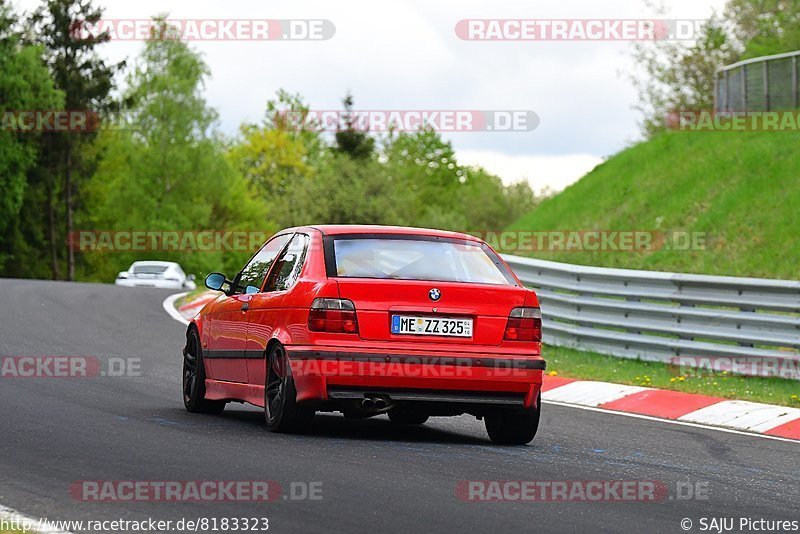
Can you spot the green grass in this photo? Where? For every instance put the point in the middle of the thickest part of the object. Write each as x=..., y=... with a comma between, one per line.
x=571, y=363
x=742, y=189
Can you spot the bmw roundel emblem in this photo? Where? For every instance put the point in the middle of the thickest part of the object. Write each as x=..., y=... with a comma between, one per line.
x=434, y=294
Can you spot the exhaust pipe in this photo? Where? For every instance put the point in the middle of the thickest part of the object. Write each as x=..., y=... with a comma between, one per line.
x=368, y=404
x=379, y=403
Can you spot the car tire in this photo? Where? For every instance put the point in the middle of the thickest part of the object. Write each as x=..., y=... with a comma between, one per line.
x=514, y=427
x=194, y=378
x=281, y=410
x=407, y=418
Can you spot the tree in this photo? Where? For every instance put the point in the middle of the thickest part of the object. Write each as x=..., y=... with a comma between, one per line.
x=86, y=81
x=166, y=168
x=679, y=77
x=765, y=27
x=347, y=191
x=351, y=141
x=676, y=77
x=279, y=153
x=25, y=84
x=488, y=205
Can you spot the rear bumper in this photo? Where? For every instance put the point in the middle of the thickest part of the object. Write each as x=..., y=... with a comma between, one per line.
x=329, y=373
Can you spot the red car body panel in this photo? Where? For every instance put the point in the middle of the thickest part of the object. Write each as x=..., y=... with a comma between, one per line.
x=236, y=331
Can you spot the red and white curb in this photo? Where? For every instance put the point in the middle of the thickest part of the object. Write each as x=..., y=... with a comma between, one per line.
x=780, y=422
x=189, y=309
x=169, y=307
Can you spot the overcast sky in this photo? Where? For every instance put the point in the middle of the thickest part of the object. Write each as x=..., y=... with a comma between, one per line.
x=406, y=55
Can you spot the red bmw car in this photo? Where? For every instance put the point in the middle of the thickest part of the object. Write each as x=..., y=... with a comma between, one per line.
x=367, y=320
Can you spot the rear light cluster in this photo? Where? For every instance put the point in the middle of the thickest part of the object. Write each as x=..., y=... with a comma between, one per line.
x=524, y=324
x=336, y=316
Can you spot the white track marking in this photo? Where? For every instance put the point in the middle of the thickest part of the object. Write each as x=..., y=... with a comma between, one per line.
x=169, y=307
x=36, y=525
x=743, y=415
x=673, y=422
x=589, y=393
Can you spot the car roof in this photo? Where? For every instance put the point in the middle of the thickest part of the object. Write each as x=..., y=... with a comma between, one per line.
x=154, y=262
x=340, y=229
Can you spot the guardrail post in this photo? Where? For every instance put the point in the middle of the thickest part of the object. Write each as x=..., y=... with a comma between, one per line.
x=794, y=82
x=744, y=88
x=716, y=94
x=727, y=91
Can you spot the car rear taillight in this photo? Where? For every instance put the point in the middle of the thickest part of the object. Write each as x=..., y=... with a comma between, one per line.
x=333, y=315
x=524, y=324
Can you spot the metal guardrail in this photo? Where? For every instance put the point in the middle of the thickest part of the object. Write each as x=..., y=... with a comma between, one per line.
x=668, y=317
x=764, y=83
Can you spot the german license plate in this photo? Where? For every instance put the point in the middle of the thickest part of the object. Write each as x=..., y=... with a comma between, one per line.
x=431, y=326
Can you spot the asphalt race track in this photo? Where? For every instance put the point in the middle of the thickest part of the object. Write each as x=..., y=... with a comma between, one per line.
x=375, y=477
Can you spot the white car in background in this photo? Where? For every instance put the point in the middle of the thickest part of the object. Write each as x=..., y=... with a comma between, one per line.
x=160, y=274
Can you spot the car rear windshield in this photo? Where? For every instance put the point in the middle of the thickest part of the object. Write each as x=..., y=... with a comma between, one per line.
x=416, y=259
x=149, y=269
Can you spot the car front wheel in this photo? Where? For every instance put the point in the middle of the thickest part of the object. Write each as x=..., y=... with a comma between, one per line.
x=514, y=427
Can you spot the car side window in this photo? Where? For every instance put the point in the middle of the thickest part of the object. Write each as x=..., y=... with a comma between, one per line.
x=251, y=277
x=289, y=265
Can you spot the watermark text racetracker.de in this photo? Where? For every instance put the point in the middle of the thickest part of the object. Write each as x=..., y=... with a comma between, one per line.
x=49, y=120
x=580, y=240
x=167, y=240
x=703, y=366
x=596, y=491
x=409, y=120
x=579, y=29
x=210, y=491
x=387, y=365
x=734, y=121
x=210, y=29
x=68, y=367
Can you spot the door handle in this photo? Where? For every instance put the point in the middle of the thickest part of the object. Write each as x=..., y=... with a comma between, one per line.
x=245, y=306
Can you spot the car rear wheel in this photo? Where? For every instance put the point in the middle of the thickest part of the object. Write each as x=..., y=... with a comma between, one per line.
x=281, y=410
x=194, y=379
x=400, y=417
x=514, y=427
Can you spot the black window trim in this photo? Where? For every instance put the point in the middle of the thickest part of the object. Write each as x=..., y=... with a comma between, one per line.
x=329, y=252
x=261, y=287
x=281, y=253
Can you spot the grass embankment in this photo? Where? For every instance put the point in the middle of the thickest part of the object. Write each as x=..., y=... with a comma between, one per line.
x=741, y=191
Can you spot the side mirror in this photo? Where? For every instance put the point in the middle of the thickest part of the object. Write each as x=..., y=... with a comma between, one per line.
x=215, y=281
